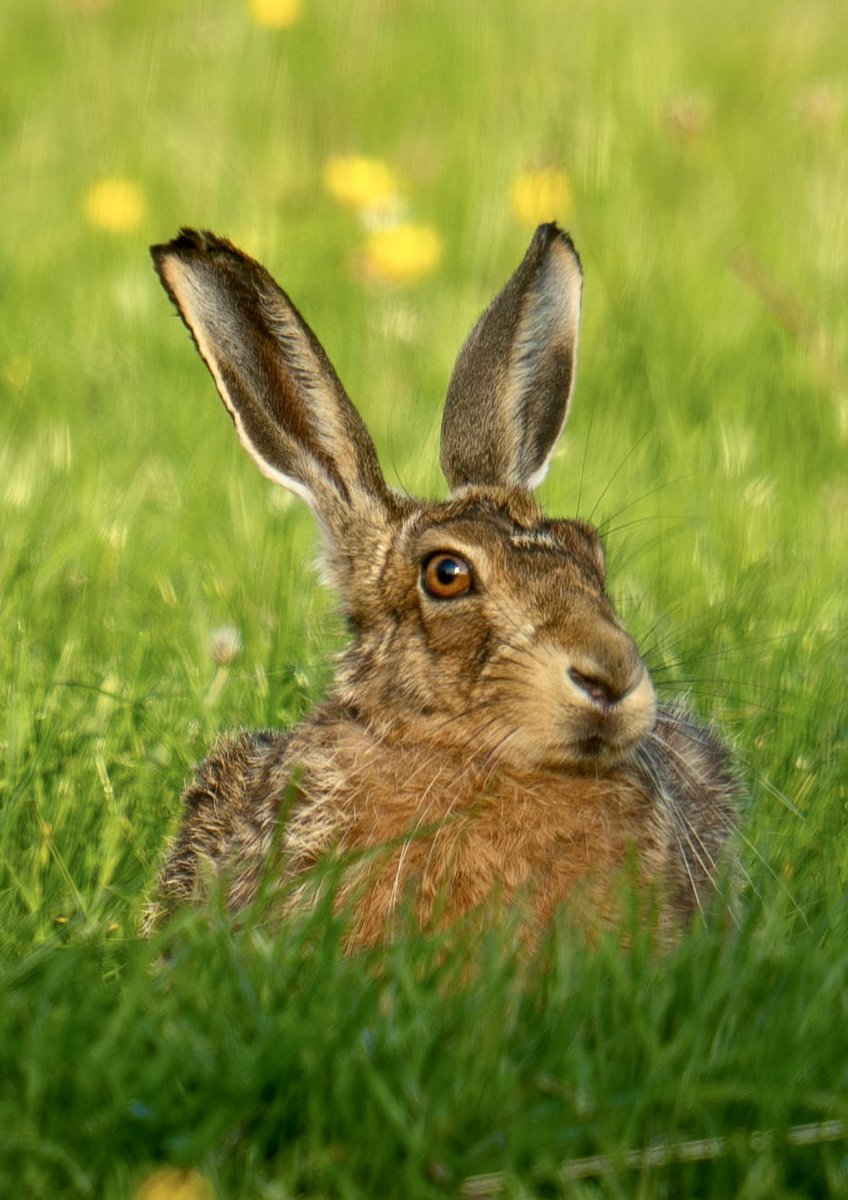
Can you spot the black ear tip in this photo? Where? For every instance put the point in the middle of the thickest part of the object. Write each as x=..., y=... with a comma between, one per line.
x=189, y=243
x=186, y=240
x=549, y=233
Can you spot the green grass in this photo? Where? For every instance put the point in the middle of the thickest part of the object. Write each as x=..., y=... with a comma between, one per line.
x=705, y=145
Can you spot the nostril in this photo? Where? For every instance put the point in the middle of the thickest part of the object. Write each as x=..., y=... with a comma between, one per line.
x=600, y=690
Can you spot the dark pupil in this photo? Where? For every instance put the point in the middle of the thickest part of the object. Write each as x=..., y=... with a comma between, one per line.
x=447, y=570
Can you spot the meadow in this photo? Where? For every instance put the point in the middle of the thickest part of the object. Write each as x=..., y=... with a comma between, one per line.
x=388, y=160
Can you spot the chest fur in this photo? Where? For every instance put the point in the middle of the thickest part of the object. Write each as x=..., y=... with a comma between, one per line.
x=445, y=836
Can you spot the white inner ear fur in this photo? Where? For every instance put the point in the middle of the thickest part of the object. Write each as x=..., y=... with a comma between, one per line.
x=550, y=322
x=539, y=474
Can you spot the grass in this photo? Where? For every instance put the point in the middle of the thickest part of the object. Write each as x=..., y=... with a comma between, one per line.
x=704, y=147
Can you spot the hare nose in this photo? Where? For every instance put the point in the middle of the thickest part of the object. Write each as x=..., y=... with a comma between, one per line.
x=603, y=691
x=597, y=689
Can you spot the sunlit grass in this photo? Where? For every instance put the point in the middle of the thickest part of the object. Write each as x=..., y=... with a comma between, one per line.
x=385, y=161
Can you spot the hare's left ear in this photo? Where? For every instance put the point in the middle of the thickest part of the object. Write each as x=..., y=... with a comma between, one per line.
x=289, y=407
x=509, y=393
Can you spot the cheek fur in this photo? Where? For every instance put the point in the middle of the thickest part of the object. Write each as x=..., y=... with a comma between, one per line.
x=457, y=643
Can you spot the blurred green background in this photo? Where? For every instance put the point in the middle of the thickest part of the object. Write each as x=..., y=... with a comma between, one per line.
x=388, y=160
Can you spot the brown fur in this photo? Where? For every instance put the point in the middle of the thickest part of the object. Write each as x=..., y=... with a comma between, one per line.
x=449, y=830
x=485, y=748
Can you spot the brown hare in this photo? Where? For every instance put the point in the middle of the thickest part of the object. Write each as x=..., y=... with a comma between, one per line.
x=492, y=732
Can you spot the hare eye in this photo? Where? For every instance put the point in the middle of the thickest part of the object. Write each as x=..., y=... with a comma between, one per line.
x=446, y=576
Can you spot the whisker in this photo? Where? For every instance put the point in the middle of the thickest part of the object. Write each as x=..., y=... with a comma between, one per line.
x=660, y=487
x=611, y=531
x=675, y=758
x=583, y=463
x=632, y=450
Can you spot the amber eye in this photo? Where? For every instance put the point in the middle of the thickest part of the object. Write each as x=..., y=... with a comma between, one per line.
x=446, y=575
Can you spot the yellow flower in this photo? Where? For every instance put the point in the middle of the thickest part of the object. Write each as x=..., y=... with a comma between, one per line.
x=543, y=195
x=168, y=1183
x=116, y=205
x=274, y=14
x=359, y=182
x=402, y=253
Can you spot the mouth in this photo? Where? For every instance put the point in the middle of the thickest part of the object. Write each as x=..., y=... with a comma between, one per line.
x=592, y=752
x=601, y=743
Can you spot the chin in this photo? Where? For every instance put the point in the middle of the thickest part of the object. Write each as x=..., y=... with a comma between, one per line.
x=591, y=749
x=592, y=753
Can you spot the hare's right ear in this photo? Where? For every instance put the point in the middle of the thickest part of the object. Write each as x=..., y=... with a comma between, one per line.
x=509, y=392
x=288, y=405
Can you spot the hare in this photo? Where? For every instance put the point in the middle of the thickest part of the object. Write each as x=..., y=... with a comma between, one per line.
x=492, y=734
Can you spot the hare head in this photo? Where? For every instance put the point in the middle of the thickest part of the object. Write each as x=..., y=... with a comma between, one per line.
x=478, y=623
